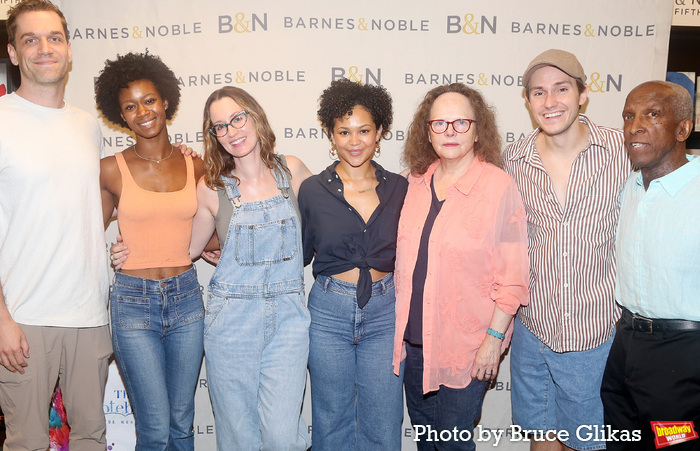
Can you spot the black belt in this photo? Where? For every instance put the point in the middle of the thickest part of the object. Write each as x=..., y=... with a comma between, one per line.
x=649, y=325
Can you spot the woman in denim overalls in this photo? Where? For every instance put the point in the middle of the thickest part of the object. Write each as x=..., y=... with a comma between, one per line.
x=256, y=336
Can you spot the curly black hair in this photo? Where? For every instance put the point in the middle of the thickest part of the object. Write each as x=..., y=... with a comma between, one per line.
x=338, y=100
x=117, y=75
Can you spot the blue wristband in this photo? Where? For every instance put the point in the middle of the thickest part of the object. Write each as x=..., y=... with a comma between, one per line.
x=498, y=335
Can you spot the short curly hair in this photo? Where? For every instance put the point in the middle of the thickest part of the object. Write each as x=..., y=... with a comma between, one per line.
x=118, y=73
x=418, y=153
x=338, y=100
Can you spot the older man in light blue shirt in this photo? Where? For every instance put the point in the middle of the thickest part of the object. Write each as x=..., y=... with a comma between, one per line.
x=651, y=383
x=658, y=245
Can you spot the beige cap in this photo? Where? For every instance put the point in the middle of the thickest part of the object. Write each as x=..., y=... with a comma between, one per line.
x=560, y=59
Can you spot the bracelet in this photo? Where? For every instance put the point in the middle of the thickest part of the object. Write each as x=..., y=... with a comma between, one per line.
x=498, y=335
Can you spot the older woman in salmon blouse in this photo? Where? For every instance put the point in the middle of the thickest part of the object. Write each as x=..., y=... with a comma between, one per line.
x=461, y=264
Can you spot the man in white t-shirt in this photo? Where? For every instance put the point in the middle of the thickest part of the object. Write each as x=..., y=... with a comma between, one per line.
x=53, y=266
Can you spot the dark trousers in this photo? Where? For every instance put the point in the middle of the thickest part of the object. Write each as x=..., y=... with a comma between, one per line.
x=442, y=410
x=651, y=377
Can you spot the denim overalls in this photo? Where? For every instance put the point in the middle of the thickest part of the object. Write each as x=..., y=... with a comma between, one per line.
x=256, y=336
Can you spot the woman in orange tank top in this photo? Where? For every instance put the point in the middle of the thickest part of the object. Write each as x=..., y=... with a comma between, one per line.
x=155, y=301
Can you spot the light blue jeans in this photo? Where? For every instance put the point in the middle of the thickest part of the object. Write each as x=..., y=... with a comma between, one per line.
x=256, y=353
x=356, y=399
x=157, y=328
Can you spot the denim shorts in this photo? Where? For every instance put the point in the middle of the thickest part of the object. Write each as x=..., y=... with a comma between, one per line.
x=557, y=391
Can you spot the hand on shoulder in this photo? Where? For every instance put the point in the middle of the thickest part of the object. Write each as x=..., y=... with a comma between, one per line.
x=187, y=150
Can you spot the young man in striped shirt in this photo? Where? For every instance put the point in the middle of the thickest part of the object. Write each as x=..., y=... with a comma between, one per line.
x=570, y=173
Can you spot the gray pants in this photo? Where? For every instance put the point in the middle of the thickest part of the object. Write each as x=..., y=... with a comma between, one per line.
x=79, y=359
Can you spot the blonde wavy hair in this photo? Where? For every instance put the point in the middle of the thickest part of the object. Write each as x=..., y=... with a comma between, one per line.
x=418, y=153
x=217, y=161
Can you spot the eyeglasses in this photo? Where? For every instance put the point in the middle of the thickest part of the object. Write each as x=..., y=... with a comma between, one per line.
x=459, y=125
x=238, y=121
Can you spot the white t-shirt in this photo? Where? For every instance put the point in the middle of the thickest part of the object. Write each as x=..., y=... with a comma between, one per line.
x=53, y=260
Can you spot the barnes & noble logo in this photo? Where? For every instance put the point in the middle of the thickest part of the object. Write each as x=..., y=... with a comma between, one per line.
x=240, y=77
x=136, y=31
x=241, y=24
x=353, y=73
x=468, y=24
x=692, y=11
x=598, y=82
x=472, y=25
x=357, y=24
x=587, y=30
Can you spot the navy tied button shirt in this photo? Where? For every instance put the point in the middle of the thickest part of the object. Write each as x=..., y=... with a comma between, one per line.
x=336, y=237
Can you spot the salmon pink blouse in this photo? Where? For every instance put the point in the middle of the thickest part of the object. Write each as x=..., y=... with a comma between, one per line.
x=477, y=259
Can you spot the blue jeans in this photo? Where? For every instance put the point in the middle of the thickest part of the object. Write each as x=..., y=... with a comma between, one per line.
x=256, y=354
x=157, y=328
x=442, y=410
x=557, y=391
x=356, y=398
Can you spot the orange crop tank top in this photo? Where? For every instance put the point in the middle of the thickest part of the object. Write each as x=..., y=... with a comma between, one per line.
x=156, y=227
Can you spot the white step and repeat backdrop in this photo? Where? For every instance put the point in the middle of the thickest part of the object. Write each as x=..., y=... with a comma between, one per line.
x=286, y=53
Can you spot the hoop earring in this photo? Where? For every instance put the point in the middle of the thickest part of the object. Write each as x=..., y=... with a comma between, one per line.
x=333, y=153
x=377, y=150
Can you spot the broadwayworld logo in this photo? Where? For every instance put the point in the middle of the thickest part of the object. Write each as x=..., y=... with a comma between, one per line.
x=667, y=433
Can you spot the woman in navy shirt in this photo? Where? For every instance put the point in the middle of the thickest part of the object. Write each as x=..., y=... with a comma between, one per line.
x=350, y=214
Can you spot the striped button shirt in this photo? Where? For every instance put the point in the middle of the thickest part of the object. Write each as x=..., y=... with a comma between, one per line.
x=572, y=247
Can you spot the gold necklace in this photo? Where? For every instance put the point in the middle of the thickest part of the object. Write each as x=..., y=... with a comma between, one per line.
x=361, y=191
x=172, y=149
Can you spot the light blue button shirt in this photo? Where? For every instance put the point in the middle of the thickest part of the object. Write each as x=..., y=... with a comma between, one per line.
x=658, y=245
